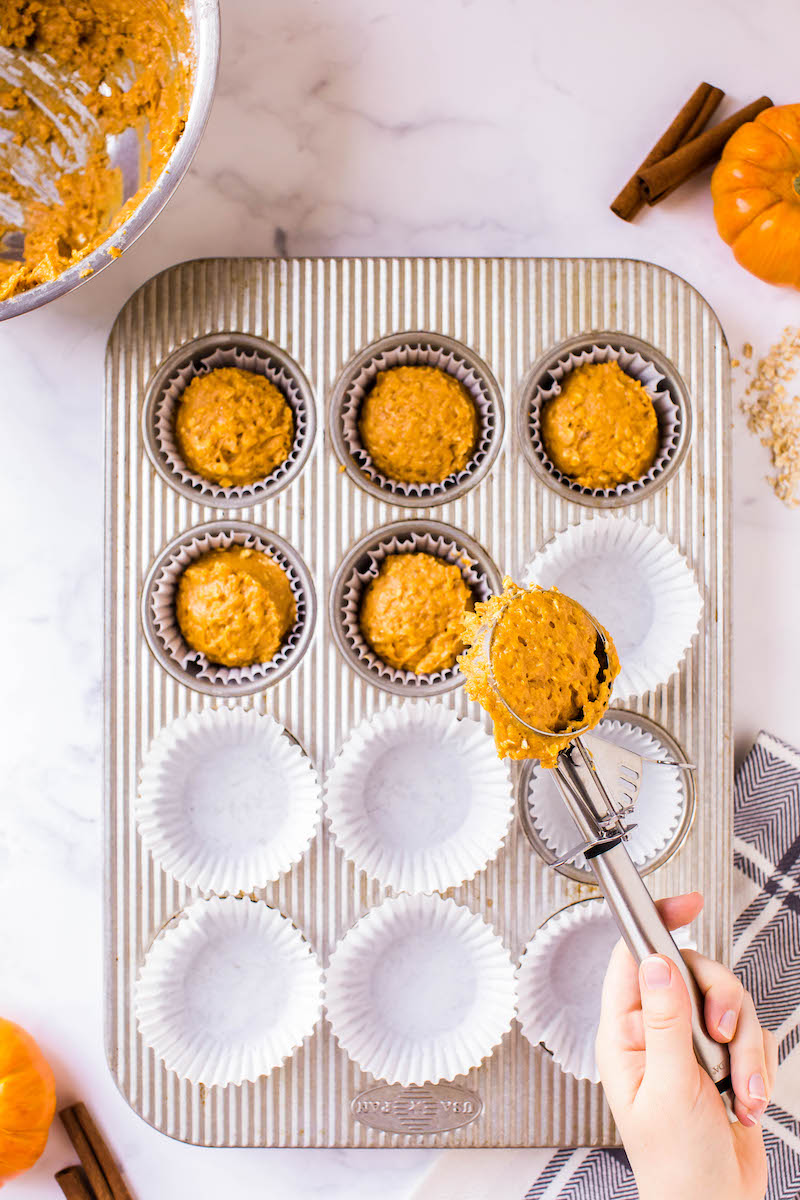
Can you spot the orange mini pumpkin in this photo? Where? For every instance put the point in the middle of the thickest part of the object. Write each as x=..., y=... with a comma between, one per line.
x=27, y=1100
x=756, y=192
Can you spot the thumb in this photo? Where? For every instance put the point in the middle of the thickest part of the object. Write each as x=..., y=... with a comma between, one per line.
x=670, y=1063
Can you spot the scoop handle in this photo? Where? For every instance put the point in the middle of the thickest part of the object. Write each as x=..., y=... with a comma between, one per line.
x=644, y=933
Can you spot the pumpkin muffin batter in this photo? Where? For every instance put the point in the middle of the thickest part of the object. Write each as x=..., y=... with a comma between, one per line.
x=73, y=76
x=412, y=614
x=602, y=429
x=233, y=426
x=545, y=663
x=418, y=424
x=235, y=606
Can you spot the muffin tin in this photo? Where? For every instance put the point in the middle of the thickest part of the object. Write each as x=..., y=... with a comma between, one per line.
x=319, y=315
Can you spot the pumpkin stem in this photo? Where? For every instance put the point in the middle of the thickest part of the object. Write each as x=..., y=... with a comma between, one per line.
x=796, y=184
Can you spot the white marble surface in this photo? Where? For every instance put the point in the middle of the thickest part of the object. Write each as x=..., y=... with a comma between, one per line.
x=356, y=127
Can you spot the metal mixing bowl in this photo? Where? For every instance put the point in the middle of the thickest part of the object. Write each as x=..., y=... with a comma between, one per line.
x=203, y=18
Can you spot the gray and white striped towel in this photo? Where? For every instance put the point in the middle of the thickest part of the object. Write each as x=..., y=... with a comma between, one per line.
x=767, y=957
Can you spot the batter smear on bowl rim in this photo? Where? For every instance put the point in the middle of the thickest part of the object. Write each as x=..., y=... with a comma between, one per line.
x=73, y=79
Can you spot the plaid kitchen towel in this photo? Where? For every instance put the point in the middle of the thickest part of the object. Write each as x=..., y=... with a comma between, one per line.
x=766, y=951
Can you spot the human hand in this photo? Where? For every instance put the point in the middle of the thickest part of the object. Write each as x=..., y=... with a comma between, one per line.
x=674, y=1126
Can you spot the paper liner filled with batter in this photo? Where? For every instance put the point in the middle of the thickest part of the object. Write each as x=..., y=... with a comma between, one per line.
x=160, y=600
x=430, y=350
x=159, y=430
x=419, y=990
x=227, y=801
x=418, y=799
x=227, y=992
x=362, y=574
x=639, y=368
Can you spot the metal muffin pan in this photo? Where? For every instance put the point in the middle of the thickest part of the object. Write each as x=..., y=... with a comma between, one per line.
x=673, y=384
x=322, y=312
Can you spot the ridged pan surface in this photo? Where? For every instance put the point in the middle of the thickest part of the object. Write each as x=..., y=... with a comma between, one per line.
x=322, y=312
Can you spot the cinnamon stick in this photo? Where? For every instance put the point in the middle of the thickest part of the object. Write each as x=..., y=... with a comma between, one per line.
x=687, y=160
x=707, y=109
x=108, y=1164
x=687, y=124
x=74, y=1184
x=698, y=125
x=91, y=1166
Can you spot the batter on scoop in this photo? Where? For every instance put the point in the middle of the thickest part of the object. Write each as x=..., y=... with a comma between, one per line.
x=545, y=663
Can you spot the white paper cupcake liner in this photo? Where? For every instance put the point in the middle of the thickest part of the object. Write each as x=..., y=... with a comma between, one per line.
x=417, y=350
x=560, y=983
x=228, y=992
x=227, y=801
x=639, y=368
x=409, y=542
x=659, y=806
x=163, y=592
x=235, y=351
x=418, y=798
x=420, y=990
x=637, y=584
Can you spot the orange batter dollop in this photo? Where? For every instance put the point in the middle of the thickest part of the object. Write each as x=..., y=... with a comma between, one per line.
x=419, y=424
x=602, y=429
x=235, y=606
x=412, y=613
x=545, y=663
x=233, y=426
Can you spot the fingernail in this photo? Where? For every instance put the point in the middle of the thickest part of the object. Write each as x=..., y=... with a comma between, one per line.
x=756, y=1087
x=727, y=1023
x=747, y=1120
x=656, y=972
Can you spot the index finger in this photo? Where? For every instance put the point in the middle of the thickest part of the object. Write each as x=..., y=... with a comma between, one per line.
x=621, y=993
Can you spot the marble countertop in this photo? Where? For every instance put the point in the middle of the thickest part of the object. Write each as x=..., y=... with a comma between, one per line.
x=474, y=127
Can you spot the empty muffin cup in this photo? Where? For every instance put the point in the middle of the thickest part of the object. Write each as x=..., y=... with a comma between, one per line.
x=227, y=800
x=159, y=619
x=415, y=349
x=362, y=564
x=637, y=584
x=418, y=798
x=419, y=990
x=228, y=991
x=664, y=807
x=643, y=363
x=560, y=983
x=196, y=359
